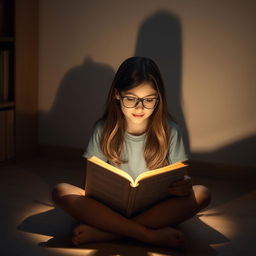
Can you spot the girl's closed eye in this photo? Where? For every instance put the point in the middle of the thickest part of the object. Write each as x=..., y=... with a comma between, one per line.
x=131, y=99
x=149, y=100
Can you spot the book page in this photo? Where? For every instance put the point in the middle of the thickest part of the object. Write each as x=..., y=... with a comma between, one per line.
x=111, y=168
x=107, y=187
x=164, y=169
x=155, y=189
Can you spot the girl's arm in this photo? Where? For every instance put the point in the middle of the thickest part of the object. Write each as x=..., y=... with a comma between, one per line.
x=181, y=188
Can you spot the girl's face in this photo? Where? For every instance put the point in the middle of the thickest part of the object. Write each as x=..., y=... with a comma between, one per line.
x=137, y=117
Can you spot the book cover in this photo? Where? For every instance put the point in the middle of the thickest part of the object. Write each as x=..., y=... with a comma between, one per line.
x=116, y=188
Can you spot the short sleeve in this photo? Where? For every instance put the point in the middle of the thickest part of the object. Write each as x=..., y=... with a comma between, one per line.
x=177, y=152
x=93, y=148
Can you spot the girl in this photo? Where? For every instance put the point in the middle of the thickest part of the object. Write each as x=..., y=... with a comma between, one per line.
x=135, y=134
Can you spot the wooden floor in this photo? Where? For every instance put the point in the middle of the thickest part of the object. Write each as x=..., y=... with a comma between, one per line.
x=31, y=225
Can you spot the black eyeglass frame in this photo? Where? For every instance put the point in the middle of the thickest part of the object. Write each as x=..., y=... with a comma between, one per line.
x=139, y=100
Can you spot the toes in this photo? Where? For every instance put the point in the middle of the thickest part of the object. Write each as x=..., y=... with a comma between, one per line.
x=78, y=229
x=76, y=232
x=74, y=241
x=75, y=238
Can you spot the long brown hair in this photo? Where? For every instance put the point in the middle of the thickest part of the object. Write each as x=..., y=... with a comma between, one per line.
x=131, y=73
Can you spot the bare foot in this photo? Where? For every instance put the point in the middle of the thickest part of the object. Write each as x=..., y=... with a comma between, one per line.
x=85, y=234
x=167, y=237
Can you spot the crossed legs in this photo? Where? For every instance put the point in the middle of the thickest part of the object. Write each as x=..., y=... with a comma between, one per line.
x=155, y=225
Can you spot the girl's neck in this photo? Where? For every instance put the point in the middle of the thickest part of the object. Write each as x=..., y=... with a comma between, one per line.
x=136, y=129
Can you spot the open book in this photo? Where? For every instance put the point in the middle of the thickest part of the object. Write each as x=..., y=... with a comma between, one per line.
x=117, y=189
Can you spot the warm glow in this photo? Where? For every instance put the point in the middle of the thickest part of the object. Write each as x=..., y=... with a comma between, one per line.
x=214, y=140
x=218, y=221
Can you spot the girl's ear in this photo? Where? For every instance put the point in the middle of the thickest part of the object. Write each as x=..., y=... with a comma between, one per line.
x=117, y=96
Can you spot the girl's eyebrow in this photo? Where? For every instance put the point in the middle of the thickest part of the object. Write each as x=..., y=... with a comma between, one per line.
x=153, y=94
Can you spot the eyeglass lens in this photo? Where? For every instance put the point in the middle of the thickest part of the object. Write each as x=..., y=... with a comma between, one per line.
x=131, y=102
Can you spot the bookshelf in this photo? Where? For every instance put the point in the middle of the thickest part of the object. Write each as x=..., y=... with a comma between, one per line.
x=7, y=105
x=18, y=79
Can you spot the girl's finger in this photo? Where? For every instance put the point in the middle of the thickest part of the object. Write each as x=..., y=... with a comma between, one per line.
x=186, y=181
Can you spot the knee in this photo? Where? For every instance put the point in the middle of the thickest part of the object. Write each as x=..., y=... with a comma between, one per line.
x=202, y=196
x=58, y=192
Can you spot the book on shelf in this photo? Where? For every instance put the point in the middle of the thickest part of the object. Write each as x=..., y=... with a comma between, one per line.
x=5, y=84
x=117, y=189
x=6, y=134
x=9, y=122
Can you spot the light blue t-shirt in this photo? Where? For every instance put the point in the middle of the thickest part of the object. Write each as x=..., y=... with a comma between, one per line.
x=134, y=149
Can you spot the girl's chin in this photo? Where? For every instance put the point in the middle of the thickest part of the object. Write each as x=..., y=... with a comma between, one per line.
x=136, y=120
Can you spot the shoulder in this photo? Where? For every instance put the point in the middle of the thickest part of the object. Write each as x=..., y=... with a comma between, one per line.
x=177, y=151
x=93, y=147
x=98, y=126
x=173, y=125
x=175, y=129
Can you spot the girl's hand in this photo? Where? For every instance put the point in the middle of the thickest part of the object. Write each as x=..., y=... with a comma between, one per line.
x=182, y=187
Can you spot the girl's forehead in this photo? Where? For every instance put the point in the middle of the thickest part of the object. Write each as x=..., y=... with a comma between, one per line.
x=143, y=89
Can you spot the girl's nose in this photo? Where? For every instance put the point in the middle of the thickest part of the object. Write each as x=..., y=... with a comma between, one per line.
x=139, y=105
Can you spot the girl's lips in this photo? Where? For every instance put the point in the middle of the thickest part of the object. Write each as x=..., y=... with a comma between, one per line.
x=137, y=115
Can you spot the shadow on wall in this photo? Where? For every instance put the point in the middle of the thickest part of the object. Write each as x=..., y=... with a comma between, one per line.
x=78, y=104
x=159, y=38
x=83, y=91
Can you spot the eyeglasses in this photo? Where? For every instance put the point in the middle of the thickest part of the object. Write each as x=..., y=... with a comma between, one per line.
x=132, y=102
